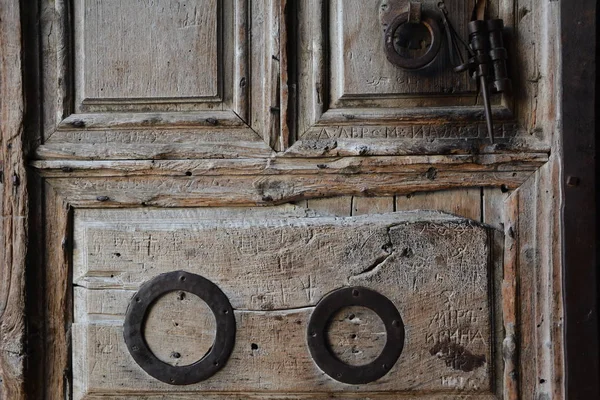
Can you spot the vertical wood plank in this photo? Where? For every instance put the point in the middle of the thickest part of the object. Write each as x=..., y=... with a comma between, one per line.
x=241, y=78
x=57, y=340
x=340, y=206
x=271, y=89
x=463, y=202
x=372, y=205
x=493, y=214
x=13, y=189
x=527, y=315
x=509, y=300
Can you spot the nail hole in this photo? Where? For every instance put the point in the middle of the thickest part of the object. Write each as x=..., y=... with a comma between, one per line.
x=355, y=293
x=351, y=317
x=313, y=334
x=353, y=336
x=188, y=173
x=254, y=346
x=182, y=278
x=118, y=254
x=175, y=354
x=137, y=299
x=396, y=323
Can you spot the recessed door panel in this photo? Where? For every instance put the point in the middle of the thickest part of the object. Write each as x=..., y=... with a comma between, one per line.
x=275, y=266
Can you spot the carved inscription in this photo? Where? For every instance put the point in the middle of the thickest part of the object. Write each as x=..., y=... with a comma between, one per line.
x=455, y=326
x=448, y=131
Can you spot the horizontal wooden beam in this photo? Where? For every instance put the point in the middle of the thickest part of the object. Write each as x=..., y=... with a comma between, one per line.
x=429, y=165
x=246, y=190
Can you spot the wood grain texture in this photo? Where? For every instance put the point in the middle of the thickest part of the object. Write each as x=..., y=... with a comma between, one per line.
x=357, y=82
x=57, y=295
x=56, y=53
x=193, y=191
x=374, y=205
x=199, y=63
x=14, y=203
x=362, y=67
x=463, y=202
x=157, y=56
x=510, y=300
x=291, y=165
x=291, y=396
x=195, y=154
x=179, y=328
x=286, y=265
x=540, y=309
x=340, y=206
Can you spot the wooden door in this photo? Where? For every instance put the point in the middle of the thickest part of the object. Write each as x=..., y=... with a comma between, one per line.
x=272, y=149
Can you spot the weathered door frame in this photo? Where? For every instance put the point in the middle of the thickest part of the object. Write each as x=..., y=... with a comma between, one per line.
x=575, y=193
x=579, y=107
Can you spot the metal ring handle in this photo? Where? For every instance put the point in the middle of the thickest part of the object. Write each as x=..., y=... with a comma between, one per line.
x=221, y=349
x=321, y=351
x=429, y=20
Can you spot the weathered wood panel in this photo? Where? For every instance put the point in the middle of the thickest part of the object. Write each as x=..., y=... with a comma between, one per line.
x=274, y=265
x=363, y=69
x=148, y=49
x=163, y=57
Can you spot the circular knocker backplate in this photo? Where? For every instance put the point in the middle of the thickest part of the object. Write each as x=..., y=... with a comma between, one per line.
x=321, y=351
x=137, y=311
x=429, y=22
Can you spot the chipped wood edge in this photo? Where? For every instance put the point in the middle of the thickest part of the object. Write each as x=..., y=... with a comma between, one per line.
x=14, y=194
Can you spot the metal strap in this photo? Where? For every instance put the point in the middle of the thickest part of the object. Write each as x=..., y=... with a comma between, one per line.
x=480, y=10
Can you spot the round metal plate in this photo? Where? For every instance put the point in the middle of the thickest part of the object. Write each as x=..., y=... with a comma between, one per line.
x=219, y=353
x=429, y=20
x=321, y=352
